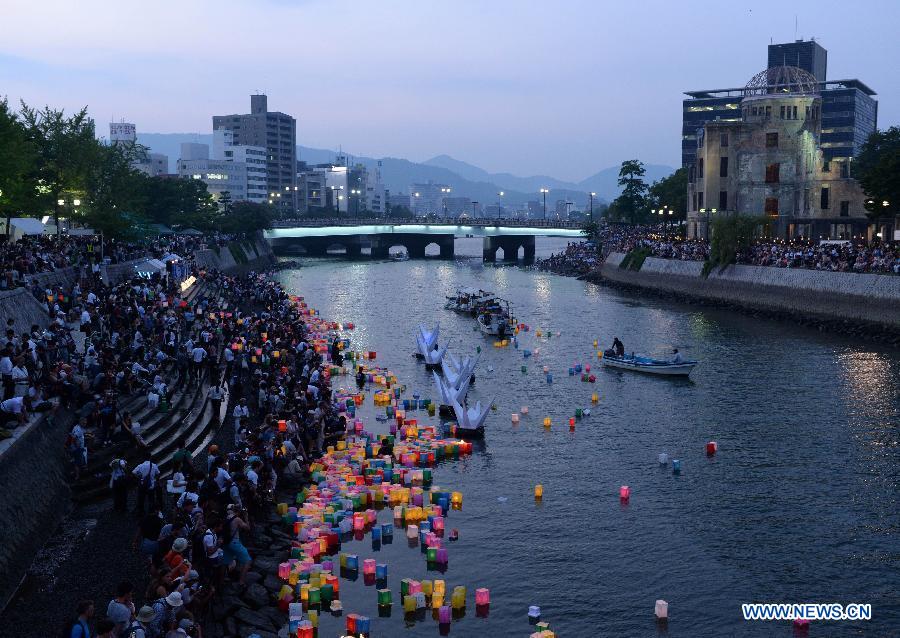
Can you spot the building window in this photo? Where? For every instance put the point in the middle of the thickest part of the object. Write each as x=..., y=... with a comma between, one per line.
x=699, y=200
x=768, y=111
x=771, y=140
x=700, y=168
x=691, y=173
x=845, y=208
x=794, y=113
x=782, y=112
x=771, y=205
x=723, y=140
x=723, y=167
x=723, y=200
x=826, y=166
x=845, y=169
x=824, y=202
x=773, y=173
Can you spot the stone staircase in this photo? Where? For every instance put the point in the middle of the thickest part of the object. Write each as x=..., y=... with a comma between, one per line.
x=188, y=414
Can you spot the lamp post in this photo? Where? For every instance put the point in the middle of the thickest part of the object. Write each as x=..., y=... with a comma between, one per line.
x=544, y=192
x=416, y=203
x=445, y=191
x=355, y=192
x=593, y=194
x=709, y=212
x=500, y=205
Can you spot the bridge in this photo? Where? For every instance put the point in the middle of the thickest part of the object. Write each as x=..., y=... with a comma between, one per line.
x=317, y=236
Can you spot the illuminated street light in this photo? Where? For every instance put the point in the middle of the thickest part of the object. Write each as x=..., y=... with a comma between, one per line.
x=544, y=192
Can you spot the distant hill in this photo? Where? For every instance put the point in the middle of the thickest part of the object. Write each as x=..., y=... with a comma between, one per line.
x=466, y=180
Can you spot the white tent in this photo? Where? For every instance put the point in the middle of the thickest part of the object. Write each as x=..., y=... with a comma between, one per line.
x=171, y=257
x=147, y=267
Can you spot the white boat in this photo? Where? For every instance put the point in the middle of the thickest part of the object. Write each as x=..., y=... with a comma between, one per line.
x=467, y=300
x=495, y=325
x=399, y=256
x=649, y=365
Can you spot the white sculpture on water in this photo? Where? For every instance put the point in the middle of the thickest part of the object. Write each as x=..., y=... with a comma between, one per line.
x=457, y=371
x=426, y=342
x=448, y=393
x=471, y=418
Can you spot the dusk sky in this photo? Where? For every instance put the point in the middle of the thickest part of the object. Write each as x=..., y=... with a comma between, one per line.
x=563, y=88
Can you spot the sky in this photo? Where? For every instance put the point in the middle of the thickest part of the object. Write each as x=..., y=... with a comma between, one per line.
x=562, y=88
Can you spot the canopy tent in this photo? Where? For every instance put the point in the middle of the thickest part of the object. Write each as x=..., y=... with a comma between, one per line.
x=147, y=267
x=189, y=231
x=171, y=257
x=161, y=229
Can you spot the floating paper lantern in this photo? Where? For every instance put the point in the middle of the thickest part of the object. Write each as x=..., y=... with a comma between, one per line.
x=547, y=421
x=524, y=409
x=515, y=417
x=538, y=491
x=482, y=596
x=624, y=493
x=534, y=612
x=676, y=466
x=663, y=458
x=661, y=610
x=711, y=448
x=444, y=615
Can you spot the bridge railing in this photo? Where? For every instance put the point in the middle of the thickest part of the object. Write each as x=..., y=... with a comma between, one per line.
x=307, y=222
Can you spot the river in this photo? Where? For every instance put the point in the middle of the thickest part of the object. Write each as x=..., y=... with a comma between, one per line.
x=800, y=504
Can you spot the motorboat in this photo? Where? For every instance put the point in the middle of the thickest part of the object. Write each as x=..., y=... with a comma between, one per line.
x=467, y=300
x=495, y=318
x=649, y=365
x=399, y=256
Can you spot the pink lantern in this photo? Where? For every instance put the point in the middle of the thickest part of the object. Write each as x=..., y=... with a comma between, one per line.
x=444, y=615
x=482, y=596
x=624, y=493
x=369, y=566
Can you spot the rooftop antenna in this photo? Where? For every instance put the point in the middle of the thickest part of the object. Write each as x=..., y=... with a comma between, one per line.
x=796, y=24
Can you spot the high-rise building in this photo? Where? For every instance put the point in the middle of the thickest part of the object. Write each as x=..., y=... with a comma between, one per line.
x=808, y=55
x=151, y=164
x=849, y=111
x=253, y=157
x=277, y=133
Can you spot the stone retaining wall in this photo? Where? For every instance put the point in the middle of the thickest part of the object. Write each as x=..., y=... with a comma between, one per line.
x=36, y=495
x=23, y=308
x=864, y=298
x=258, y=254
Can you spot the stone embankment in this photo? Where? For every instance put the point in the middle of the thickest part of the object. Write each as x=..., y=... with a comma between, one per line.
x=866, y=304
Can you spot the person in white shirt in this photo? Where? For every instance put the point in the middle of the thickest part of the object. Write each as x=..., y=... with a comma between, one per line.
x=147, y=474
x=198, y=354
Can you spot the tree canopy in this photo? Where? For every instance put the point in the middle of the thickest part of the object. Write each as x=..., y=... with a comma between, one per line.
x=878, y=170
x=52, y=163
x=631, y=205
x=671, y=191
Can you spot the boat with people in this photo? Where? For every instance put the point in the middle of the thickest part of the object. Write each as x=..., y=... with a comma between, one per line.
x=495, y=318
x=467, y=300
x=399, y=256
x=639, y=363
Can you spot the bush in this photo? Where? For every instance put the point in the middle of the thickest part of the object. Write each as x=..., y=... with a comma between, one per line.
x=634, y=259
x=731, y=235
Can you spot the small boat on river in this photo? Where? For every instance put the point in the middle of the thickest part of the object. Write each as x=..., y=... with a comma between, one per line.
x=467, y=300
x=495, y=318
x=649, y=365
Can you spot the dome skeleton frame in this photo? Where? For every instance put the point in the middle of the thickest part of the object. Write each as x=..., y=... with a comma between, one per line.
x=782, y=80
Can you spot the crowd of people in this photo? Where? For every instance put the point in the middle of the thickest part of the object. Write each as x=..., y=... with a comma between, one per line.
x=832, y=256
x=660, y=241
x=195, y=518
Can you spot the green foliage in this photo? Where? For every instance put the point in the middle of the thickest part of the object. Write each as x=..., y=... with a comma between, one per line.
x=671, y=191
x=634, y=259
x=631, y=205
x=246, y=217
x=237, y=251
x=17, y=160
x=590, y=229
x=730, y=235
x=401, y=212
x=878, y=170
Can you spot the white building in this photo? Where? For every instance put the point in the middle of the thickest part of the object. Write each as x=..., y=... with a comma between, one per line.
x=253, y=157
x=220, y=176
x=238, y=170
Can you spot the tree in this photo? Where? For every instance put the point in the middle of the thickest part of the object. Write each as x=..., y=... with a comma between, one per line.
x=399, y=211
x=590, y=229
x=16, y=163
x=116, y=193
x=632, y=203
x=64, y=147
x=731, y=235
x=671, y=191
x=247, y=217
x=182, y=202
x=878, y=170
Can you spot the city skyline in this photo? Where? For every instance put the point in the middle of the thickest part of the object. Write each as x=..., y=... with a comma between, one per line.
x=492, y=85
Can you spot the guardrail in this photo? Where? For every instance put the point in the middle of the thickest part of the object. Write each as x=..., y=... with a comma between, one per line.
x=304, y=222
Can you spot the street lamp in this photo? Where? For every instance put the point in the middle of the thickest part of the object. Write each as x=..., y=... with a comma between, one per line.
x=593, y=195
x=500, y=205
x=416, y=203
x=356, y=193
x=445, y=191
x=544, y=192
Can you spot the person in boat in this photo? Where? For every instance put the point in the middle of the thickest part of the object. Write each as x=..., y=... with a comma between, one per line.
x=360, y=378
x=618, y=347
x=677, y=358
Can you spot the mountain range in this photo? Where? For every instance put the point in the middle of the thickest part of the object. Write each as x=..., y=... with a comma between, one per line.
x=466, y=180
